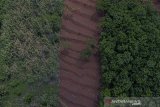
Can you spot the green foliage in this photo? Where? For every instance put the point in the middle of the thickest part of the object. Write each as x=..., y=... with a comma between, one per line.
x=86, y=53
x=28, y=98
x=129, y=48
x=28, y=50
x=3, y=90
x=89, y=50
x=2, y=11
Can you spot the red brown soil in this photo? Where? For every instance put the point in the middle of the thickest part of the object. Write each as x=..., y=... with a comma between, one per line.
x=157, y=4
x=79, y=80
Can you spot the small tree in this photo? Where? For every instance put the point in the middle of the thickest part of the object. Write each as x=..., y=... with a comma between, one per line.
x=89, y=50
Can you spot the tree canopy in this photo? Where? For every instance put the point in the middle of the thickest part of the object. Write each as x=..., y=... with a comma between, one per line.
x=129, y=48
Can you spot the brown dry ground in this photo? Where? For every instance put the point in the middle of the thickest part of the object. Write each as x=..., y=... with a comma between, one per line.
x=79, y=80
x=157, y=4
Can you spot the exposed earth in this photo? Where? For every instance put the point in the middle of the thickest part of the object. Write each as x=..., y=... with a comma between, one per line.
x=79, y=79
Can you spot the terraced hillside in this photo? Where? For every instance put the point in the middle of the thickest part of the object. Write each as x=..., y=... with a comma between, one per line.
x=79, y=78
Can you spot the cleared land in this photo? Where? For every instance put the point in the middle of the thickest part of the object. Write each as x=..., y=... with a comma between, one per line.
x=79, y=62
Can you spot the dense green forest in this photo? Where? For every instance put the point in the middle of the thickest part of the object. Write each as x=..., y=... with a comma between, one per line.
x=129, y=48
x=29, y=52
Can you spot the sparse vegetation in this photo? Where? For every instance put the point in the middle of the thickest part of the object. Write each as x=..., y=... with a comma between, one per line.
x=29, y=52
x=129, y=48
x=63, y=45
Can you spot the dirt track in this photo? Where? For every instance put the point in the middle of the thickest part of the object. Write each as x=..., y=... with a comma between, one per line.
x=79, y=80
x=157, y=4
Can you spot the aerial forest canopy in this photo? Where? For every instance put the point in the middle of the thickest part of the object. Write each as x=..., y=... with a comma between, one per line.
x=129, y=48
x=29, y=53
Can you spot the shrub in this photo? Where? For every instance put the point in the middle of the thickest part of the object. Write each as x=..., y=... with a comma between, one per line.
x=3, y=90
x=86, y=53
x=28, y=98
x=130, y=48
x=89, y=50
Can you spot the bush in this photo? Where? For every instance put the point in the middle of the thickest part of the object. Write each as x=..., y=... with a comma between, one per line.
x=86, y=53
x=3, y=90
x=28, y=98
x=130, y=48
